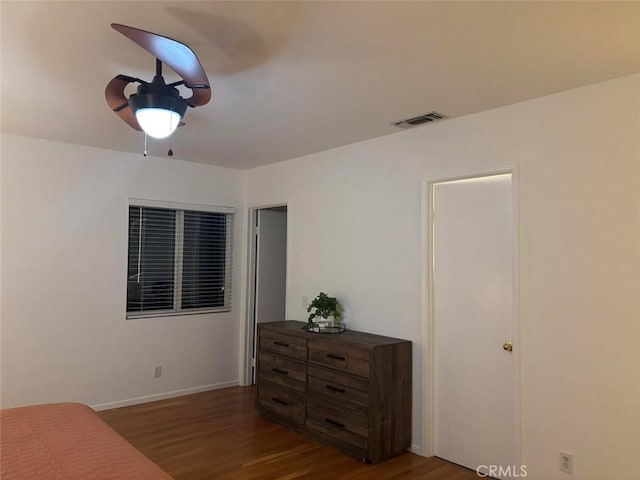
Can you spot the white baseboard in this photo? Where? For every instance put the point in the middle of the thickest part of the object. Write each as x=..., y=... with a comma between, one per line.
x=417, y=449
x=163, y=396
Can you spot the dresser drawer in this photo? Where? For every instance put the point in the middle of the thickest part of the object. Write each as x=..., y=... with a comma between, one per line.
x=283, y=344
x=349, y=428
x=343, y=389
x=283, y=371
x=340, y=357
x=282, y=401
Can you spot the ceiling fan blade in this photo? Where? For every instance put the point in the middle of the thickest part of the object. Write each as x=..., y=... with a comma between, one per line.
x=127, y=115
x=179, y=57
x=201, y=96
x=114, y=93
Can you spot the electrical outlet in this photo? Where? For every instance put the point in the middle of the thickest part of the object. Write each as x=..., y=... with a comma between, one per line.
x=305, y=302
x=157, y=373
x=566, y=462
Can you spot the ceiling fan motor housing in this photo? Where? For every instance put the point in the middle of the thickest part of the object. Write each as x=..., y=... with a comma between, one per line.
x=158, y=95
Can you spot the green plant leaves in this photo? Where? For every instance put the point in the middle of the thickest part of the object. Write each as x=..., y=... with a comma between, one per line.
x=325, y=306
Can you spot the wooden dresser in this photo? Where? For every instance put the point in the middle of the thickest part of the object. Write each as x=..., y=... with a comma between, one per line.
x=350, y=390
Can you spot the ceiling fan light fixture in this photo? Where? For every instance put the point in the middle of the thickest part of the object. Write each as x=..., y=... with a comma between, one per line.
x=158, y=109
x=158, y=122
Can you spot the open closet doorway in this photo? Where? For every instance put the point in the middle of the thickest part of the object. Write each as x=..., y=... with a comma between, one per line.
x=267, y=273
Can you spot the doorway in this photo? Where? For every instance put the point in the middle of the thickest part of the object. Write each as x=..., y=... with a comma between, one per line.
x=473, y=321
x=267, y=272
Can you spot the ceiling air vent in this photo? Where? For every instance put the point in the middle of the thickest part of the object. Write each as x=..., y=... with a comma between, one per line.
x=422, y=119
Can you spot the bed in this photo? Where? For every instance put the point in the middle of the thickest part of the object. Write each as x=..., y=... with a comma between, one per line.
x=67, y=441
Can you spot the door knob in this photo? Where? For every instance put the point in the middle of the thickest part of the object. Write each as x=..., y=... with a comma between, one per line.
x=507, y=346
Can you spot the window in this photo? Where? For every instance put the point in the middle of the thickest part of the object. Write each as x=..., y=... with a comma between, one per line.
x=180, y=259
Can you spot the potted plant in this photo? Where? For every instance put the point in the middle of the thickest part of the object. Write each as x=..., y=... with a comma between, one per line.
x=327, y=308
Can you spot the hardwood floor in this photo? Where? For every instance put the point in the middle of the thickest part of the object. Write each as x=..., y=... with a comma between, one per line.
x=219, y=435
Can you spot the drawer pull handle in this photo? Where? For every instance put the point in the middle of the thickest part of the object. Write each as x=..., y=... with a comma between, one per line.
x=281, y=402
x=281, y=372
x=280, y=344
x=334, y=423
x=335, y=389
x=336, y=357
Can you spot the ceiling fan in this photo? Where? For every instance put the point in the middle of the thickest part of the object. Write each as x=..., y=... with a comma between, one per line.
x=157, y=107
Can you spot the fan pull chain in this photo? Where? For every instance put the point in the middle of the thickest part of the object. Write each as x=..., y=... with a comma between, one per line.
x=170, y=152
x=145, y=144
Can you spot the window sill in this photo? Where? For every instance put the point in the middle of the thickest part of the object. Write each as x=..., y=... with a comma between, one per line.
x=133, y=316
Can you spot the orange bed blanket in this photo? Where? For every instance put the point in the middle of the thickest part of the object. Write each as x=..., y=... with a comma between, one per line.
x=67, y=441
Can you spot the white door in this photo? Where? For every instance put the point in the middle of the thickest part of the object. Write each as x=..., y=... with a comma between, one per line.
x=473, y=317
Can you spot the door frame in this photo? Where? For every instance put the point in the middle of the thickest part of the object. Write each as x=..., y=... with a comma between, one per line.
x=251, y=287
x=428, y=319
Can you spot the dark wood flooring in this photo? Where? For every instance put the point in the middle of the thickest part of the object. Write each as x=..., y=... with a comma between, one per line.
x=219, y=435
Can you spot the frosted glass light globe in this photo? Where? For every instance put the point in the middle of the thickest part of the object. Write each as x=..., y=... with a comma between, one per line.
x=158, y=122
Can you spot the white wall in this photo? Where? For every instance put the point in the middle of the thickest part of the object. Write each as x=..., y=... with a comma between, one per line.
x=355, y=226
x=64, y=251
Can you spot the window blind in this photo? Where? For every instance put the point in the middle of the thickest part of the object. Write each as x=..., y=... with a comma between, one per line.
x=204, y=260
x=180, y=261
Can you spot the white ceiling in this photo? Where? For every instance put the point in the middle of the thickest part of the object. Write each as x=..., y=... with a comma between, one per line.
x=293, y=78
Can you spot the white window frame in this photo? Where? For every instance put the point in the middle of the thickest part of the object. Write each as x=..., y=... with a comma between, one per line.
x=180, y=207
